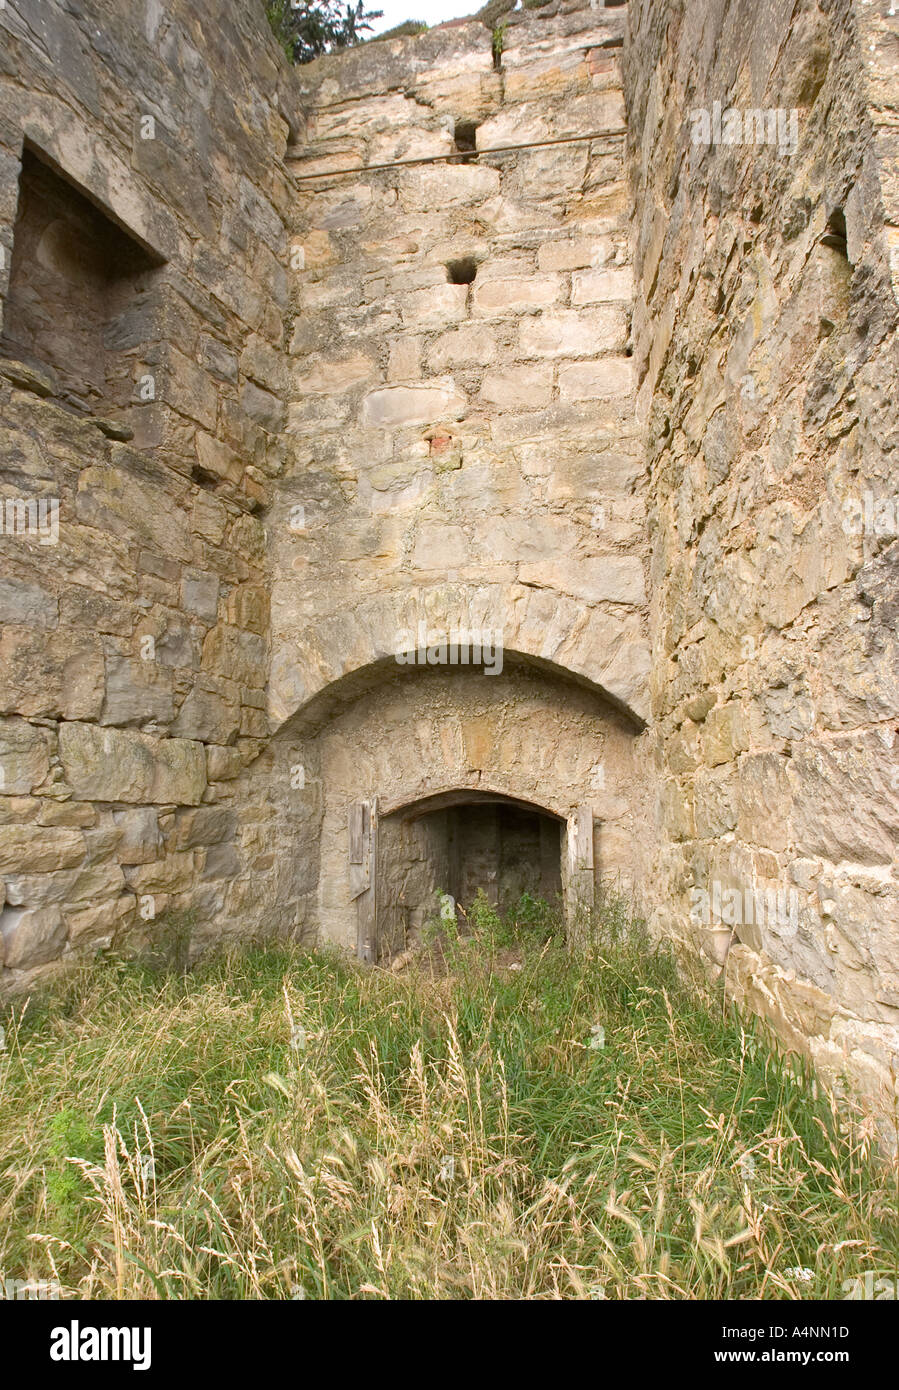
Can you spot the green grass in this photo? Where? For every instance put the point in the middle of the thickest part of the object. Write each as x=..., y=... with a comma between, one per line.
x=277, y=1124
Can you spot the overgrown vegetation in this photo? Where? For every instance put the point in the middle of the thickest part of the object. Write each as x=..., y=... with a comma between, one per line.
x=409, y=29
x=505, y=1119
x=308, y=29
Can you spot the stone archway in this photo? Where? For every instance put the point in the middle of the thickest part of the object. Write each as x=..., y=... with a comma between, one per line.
x=404, y=753
x=463, y=841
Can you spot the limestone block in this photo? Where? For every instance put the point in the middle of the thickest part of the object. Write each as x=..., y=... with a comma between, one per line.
x=715, y=803
x=723, y=735
x=200, y=594
x=24, y=602
x=222, y=764
x=261, y=363
x=567, y=333
x=222, y=861
x=580, y=381
x=602, y=286
x=764, y=801
x=447, y=186
x=70, y=887
x=613, y=578
x=330, y=376
x=174, y=873
x=209, y=713
x=545, y=76
x=515, y=295
x=676, y=809
x=102, y=840
x=40, y=849
x=218, y=359
x=440, y=546
x=55, y=675
x=398, y=407
x=101, y=922
x=247, y=538
x=844, y=800
x=31, y=936
x=119, y=501
x=71, y=813
x=140, y=838
x=248, y=606
x=626, y=675
x=217, y=458
x=518, y=388
x=405, y=359
x=435, y=306
x=262, y=407
x=177, y=639
x=472, y=344
x=24, y=757
x=253, y=723
x=235, y=654
x=98, y=612
x=207, y=825
x=575, y=254
x=186, y=387
x=136, y=692
x=121, y=765
x=519, y=123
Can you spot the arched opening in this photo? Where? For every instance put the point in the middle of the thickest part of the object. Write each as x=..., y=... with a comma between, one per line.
x=463, y=842
x=442, y=778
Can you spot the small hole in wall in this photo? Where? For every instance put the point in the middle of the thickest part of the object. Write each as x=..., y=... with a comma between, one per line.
x=462, y=272
x=465, y=139
x=835, y=232
x=203, y=477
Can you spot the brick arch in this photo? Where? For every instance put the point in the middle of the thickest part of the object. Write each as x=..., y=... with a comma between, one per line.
x=336, y=655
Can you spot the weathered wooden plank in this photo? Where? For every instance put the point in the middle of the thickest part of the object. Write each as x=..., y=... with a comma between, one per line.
x=358, y=826
x=367, y=901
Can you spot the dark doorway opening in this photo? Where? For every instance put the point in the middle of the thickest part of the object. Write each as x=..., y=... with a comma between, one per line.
x=504, y=851
x=460, y=843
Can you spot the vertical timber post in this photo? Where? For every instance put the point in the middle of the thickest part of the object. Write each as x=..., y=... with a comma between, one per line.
x=363, y=873
x=580, y=886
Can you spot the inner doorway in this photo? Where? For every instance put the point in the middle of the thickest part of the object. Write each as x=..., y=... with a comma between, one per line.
x=503, y=850
x=460, y=843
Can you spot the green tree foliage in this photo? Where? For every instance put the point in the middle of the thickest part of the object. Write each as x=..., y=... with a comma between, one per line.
x=312, y=27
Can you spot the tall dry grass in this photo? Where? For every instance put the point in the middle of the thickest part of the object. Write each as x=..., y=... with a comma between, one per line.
x=505, y=1120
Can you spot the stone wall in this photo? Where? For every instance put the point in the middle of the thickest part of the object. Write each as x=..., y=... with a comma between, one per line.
x=292, y=386
x=765, y=347
x=139, y=439
x=199, y=341
x=526, y=736
x=461, y=452
x=461, y=436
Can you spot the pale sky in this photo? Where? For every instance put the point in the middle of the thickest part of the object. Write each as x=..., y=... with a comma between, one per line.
x=431, y=11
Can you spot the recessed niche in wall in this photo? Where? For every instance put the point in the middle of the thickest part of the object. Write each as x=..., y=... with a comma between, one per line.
x=835, y=232
x=465, y=138
x=84, y=296
x=463, y=271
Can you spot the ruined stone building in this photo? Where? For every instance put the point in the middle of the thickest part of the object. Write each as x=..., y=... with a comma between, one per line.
x=566, y=349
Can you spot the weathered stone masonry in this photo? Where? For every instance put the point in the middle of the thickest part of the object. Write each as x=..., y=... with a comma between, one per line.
x=765, y=347
x=611, y=394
